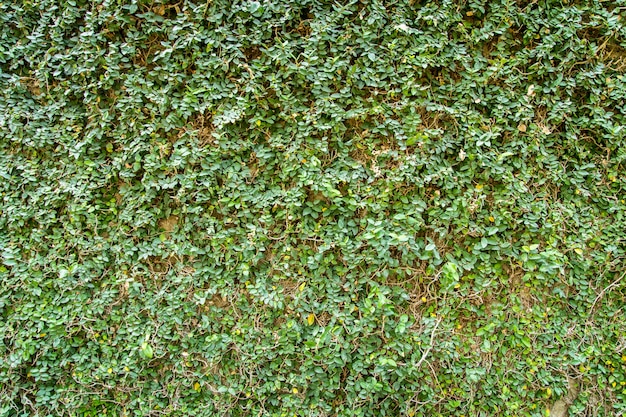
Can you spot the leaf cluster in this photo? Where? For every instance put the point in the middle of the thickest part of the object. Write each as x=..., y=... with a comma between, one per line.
x=312, y=208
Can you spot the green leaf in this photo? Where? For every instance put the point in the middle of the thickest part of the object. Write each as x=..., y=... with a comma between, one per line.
x=449, y=276
x=146, y=350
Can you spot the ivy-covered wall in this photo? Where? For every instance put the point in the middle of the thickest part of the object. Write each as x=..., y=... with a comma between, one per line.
x=312, y=208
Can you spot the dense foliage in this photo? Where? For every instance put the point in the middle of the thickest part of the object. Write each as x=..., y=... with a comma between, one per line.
x=312, y=208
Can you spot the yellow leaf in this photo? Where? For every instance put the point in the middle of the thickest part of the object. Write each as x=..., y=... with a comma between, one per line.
x=258, y=123
x=578, y=251
x=301, y=287
x=492, y=219
x=196, y=387
x=521, y=127
x=311, y=319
